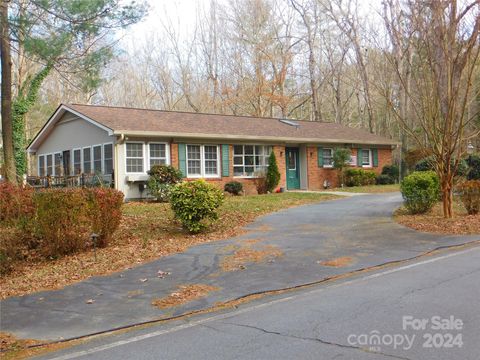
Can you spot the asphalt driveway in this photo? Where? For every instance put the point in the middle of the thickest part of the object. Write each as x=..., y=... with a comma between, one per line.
x=359, y=230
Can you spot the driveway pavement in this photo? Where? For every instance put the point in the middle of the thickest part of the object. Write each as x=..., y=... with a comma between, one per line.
x=358, y=229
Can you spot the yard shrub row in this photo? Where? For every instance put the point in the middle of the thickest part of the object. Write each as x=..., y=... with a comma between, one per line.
x=360, y=177
x=55, y=222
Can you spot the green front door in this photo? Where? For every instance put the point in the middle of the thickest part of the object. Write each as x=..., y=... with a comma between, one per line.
x=293, y=168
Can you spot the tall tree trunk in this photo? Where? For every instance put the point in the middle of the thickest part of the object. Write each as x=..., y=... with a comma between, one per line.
x=7, y=129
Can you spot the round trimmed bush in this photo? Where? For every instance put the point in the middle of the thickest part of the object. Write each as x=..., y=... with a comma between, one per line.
x=469, y=193
x=195, y=204
x=233, y=187
x=420, y=191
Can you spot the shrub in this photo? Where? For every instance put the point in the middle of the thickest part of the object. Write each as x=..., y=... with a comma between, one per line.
x=420, y=190
x=195, y=204
x=61, y=223
x=104, y=212
x=16, y=203
x=385, y=180
x=10, y=248
x=473, y=162
x=161, y=179
x=273, y=175
x=392, y=171
x=360, y=177
x=469, y=193
x=233, y=187
x=260, y=182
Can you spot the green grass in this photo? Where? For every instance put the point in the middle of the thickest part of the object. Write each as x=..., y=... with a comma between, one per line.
x=154, y=220
x=370, y=189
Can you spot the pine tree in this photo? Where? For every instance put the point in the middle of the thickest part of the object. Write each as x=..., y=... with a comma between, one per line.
x=273, y=175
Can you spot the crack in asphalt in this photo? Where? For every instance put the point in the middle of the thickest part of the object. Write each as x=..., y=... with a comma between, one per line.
x=324, y=342
x=433, y=286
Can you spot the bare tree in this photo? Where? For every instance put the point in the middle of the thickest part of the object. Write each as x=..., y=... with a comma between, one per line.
x=444, y=42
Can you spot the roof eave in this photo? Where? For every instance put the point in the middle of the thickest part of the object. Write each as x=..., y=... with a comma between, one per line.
x=249, y=137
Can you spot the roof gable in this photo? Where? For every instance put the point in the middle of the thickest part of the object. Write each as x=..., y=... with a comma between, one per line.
x=54, y=119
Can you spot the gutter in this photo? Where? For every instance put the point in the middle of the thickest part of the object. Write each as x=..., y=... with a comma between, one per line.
x=177, y=135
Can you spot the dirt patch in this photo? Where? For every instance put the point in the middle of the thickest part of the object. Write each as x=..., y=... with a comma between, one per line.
x=338, y=262
x=184, y=294
x=434, y=222
x=247, y=255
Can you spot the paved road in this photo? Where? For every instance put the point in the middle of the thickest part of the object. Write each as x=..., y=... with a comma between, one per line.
x=331, y=321
x=359, y=228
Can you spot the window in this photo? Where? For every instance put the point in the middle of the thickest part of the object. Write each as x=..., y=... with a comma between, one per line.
x=366, y=157
x=41, y=165
x=248, y=159
x=134, y=157
x=327, y=157
x=108, y=159
x=157, y=154
x=49, y=165
x=211, y=160
x=87, y=160
x=97, y=159
x=77, y=161
x=292, y=161
x=203, y=161
x=194, y=160
x=57, y=159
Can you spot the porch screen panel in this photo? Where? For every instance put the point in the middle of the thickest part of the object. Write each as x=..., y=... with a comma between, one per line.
x=41, y=165
x=77, y=161
x=108, y=158
x=87, y=160
x=97, y=159
x=49, y=165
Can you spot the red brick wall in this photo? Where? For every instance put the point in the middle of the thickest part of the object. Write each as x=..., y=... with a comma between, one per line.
x=317, y=175
x=248, y=184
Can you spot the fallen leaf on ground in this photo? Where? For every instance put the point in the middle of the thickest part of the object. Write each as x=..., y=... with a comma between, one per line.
x=184, y=294
x=90, y=301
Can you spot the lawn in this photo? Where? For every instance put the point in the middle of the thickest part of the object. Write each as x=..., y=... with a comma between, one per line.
x=434, y=222
x=148, y=231
x=369, y=189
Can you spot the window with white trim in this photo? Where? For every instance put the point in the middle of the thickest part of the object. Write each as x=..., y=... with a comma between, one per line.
x=327, y=157
x=87, y=160
x=97, y=159
x=366, y=157
x=203, y=161
x=108, y=158
x=157, y=154
x=41, y=165
x=249, y=159
x=49, y=165
x=77, y=161
x=134, y=157
x=57, y=159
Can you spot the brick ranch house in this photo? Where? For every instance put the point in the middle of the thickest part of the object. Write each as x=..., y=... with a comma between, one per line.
x=124, y=143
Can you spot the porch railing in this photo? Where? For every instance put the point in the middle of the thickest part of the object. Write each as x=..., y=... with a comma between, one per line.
x=81, y=180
